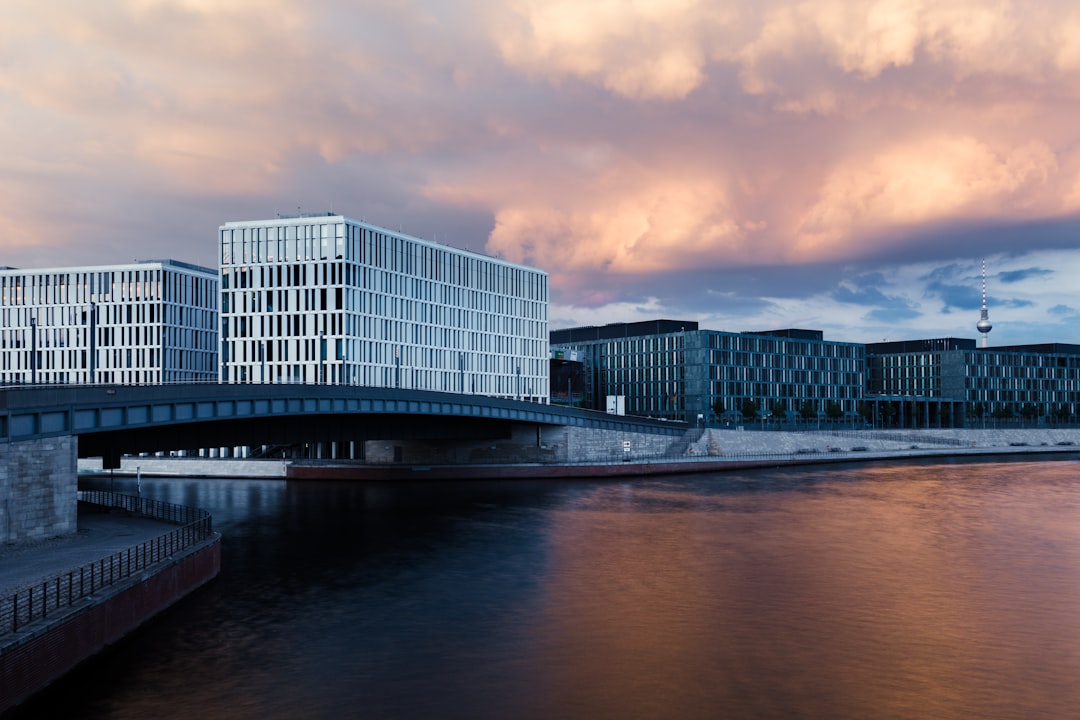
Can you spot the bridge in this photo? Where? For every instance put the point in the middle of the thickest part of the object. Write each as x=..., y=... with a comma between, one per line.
x=43, y=429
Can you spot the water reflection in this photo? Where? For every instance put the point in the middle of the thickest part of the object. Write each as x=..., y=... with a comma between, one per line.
x=930, y=590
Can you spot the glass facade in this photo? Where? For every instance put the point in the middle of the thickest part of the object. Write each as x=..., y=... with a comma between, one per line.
x=691, y=374
x=1037, y=380
x=327, y=299
x=144, y=323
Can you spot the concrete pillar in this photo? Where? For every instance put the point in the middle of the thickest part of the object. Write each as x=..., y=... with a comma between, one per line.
x=38, y=486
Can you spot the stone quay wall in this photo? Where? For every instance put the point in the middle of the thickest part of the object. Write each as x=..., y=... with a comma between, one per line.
x=51, y=649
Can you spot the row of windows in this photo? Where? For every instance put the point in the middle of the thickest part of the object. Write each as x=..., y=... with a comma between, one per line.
x=318, y=302
x=782, y=347
x=1045, y=400
x=292, y=242
x=67, y=288
x=744, y=350
x=108, y=313
x=369, y=353
x=795, y=393
x=1014, y=359
x=1022, y=384
x=121, y=335
x=106, y=358
x=804, y=377
x=496, y=380
x=257, y=291
x=354, y=351
x=1024, y=371
x=795, y=362
x=141, y=376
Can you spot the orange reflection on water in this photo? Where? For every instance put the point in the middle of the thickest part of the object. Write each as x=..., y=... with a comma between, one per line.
x=918, y=591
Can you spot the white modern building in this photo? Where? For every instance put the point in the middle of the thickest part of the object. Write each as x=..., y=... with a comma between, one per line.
x=146, y=322
x=322, y=298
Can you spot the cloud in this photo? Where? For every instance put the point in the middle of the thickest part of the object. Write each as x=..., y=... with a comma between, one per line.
x=621, y=220
x=942, y=282
x=641, y=50
x=1060, y=309
x=894, y=314
x=920, y=181
x=865, y=291
x=1015, y=276
x=766, y=164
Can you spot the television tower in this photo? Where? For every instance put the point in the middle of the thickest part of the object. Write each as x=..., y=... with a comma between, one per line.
x=984, y=325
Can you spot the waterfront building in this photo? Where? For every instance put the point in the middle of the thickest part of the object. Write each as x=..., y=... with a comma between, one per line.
x=323, y=298
x=1031, y=382
x=151, y=321
x=673, y=369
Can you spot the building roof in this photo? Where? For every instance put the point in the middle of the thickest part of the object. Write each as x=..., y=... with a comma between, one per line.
x=916, y=346
x=616, y=331
x=1044, y=348
x=112, y=267
x=791, y=333
x=302, y=218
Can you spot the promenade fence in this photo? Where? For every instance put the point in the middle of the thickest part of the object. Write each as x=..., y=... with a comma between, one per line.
x=51, y=596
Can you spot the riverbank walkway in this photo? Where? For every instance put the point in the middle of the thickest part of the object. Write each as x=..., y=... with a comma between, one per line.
x=99, y=535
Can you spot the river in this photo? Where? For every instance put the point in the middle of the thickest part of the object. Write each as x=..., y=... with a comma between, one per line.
x=933, y=589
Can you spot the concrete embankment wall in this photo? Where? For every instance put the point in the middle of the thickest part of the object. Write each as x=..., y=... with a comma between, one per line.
x=716, y=442
x=51, y=649
x=586, y=445
x=531, y=444
x=189, y=467
x=37, y=489
x=559, y=450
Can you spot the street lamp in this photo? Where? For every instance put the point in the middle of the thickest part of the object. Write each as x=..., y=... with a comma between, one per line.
x=33, y=351
x=93, y=341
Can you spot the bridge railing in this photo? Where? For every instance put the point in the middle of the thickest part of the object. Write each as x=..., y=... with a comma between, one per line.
x=51, y=596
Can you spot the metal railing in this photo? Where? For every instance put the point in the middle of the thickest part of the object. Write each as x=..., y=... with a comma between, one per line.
x=52, y=595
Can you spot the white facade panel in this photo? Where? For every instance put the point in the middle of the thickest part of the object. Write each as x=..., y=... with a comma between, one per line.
x=328, y=299
x=146, y=322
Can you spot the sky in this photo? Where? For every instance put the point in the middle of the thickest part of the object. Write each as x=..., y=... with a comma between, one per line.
x=839, y=165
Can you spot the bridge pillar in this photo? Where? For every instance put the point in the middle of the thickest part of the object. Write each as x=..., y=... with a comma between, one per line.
x=38, y=489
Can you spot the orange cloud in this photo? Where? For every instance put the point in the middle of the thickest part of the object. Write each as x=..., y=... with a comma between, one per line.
x=644, y=50
x=639, y=226
x=722, y=134
x=925, y=180
x=823, y=48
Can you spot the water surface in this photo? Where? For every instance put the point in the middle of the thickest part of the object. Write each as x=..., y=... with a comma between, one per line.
x=910, y=590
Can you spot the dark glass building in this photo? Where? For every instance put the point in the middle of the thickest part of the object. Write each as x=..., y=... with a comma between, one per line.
x=672, y=369
x=1034, y=383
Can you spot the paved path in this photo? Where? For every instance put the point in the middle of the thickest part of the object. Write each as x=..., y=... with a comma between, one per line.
x=99, y=535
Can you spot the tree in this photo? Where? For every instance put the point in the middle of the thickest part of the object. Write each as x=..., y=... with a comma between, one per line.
x=718, y=407
x=833, y=410
x=888, y=410
x=1029, y=412
x=866, y=411
x=807, y=410
x=1002, y=413
x=778, y=411
x=749, y=409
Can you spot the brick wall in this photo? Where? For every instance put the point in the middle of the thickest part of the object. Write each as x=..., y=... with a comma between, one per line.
x=33, y=664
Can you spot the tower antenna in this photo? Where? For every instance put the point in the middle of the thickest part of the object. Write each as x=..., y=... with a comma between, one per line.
x=984, y=325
